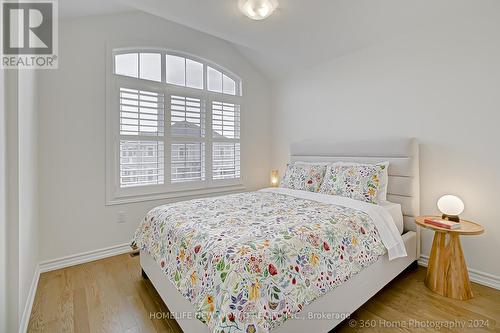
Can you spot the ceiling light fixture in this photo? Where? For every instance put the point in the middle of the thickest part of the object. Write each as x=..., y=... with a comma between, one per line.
x=257, y=9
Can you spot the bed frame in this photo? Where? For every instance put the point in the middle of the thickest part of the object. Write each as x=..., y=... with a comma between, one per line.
x=332, y=307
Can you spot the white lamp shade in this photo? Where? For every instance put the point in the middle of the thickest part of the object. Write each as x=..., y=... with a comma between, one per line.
x=450, y=205
x=257, y=9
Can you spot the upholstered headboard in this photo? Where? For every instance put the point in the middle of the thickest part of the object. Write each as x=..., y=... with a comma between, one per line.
x=402, y=155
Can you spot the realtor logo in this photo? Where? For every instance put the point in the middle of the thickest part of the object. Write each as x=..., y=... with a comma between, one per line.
x=29, y=34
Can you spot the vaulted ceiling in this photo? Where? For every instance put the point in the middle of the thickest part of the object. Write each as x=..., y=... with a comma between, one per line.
x=301, y=33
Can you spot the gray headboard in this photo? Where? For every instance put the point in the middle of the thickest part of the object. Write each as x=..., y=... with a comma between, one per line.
x=402, y=155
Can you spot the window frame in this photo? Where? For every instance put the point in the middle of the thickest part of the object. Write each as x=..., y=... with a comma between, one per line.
x=115, y=194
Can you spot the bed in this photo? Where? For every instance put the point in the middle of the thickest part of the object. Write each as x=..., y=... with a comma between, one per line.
x=215, y=268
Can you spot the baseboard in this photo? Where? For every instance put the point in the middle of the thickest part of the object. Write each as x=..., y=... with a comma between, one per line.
x=82, y=258
x=23, y=325
x=483, y=278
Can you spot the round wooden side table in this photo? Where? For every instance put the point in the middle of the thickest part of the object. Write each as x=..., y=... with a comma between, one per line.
x=447, y=272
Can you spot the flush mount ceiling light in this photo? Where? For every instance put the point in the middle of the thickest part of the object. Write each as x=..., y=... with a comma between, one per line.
x=257, y=9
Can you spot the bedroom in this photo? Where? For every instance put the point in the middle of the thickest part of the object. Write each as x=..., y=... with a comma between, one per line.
x=226, y=103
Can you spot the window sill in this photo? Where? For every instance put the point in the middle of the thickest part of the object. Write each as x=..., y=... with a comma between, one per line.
x=189, y=194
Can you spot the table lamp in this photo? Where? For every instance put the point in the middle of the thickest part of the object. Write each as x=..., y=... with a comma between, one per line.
x=450, y=206
x=274, y=178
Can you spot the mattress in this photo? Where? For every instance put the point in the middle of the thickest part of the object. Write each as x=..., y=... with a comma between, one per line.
x=249, y=261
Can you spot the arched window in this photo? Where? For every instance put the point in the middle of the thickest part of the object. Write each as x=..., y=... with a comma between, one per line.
x=173, y=124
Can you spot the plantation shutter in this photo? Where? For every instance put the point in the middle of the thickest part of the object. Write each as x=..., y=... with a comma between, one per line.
x=226, y=140
x=141, y=137
x=187, y=127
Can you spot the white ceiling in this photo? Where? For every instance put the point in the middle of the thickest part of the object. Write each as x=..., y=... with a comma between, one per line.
x=79, y=8
x=301, y=33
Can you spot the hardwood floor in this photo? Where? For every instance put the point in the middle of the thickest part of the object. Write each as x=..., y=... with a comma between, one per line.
x=110, y=295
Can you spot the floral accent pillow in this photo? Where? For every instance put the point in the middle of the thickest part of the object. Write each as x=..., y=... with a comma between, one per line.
x=306, y=177
x=364, y=182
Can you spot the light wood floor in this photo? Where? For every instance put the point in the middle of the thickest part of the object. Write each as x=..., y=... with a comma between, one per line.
x=110, y=295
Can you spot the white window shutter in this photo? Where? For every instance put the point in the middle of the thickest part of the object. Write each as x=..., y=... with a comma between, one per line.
x=187, y=162
x=141, y=138
x=141, y=113
x=226, y=160
x=225, y=120
x=187, y=117
x=141, y=163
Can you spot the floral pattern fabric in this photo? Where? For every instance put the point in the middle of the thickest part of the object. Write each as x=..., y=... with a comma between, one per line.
x=249, y=261
x=364, y=182
x=305, y=177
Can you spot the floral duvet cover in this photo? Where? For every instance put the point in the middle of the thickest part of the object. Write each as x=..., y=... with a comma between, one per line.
x=249, y=261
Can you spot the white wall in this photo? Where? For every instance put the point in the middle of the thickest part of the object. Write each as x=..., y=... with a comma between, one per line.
x=19, y=167
x=73, y=214
x=28, y=182
x=3, y=208
x=12, y=209
x=441, y=86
